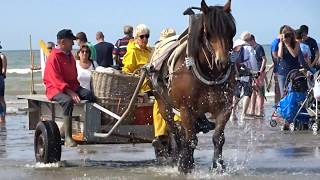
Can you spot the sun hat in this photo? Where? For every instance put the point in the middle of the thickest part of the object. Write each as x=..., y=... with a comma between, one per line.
x=238, y=42
x=167, y=32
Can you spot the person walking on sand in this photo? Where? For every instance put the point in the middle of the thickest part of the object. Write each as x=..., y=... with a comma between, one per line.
x=120, y=47
x=275, y=66
x=104, y=51
x=313, y=45
x=258, y=96
x=3, y=72
x=305, y=50
x=244, y=55
x=288, y=54
x=61, y=83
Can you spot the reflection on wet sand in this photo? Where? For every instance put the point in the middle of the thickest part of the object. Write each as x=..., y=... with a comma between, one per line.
x=252, y=150
x=3, y=140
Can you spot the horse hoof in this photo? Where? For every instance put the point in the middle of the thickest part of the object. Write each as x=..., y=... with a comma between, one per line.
x=184, y=170
x=165, y=161
x=186, y=165
x=291, y=127
x=218, y=166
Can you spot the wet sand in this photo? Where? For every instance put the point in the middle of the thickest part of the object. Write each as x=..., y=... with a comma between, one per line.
x=253, y=150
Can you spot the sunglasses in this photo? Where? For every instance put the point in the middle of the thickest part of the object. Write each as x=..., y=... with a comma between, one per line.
x=144, y=36
x=84, y=51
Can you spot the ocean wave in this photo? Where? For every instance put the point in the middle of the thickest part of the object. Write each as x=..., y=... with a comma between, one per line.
x=22, y=71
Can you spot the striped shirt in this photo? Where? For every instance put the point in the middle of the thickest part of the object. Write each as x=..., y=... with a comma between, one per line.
x=120, y=48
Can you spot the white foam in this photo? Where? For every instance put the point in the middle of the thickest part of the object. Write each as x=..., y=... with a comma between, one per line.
x=21, y=71
x=43, y=165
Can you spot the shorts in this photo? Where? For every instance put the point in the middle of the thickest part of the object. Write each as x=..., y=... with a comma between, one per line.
x=2, y=86
x=245, y=86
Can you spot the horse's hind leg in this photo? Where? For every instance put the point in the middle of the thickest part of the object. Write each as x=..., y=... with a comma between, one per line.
x=218, y=139
x=174, y=131
x=188, y=142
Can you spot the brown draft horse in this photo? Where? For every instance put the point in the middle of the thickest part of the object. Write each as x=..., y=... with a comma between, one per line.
x=209, y=45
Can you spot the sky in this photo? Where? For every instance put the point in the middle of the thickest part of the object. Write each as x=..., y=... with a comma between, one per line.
x=42, y=19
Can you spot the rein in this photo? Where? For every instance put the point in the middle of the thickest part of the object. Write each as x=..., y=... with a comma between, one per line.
x=211, y=51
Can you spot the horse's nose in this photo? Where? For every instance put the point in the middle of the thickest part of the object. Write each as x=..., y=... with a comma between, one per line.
x=221, y=62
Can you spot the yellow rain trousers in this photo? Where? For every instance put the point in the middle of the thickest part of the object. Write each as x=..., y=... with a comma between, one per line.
x=134, y=59
x=159, y=123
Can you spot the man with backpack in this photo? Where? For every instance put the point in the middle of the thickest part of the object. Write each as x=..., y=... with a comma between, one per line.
x=244, y=56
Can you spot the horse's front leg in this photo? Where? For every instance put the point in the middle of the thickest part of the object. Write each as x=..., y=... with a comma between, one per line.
x=188, y=141
x=218, y=139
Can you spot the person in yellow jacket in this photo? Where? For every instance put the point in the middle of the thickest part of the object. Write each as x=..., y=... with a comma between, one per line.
x=138, y=54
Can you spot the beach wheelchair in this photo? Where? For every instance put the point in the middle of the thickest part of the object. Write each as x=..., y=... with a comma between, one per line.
x=298, y=110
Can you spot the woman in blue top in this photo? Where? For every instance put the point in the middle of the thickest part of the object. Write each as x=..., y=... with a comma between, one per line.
x=288, y=54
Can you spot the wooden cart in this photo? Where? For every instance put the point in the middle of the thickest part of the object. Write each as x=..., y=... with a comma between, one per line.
x=45, y=117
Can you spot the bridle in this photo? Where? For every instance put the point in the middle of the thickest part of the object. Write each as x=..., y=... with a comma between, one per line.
x=210, y=49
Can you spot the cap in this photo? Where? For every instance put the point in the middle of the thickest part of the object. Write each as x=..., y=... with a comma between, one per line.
x=167, y=32
x=238, y=42
x=65, y=34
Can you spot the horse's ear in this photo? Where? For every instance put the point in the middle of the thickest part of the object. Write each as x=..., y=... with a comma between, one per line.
x=204, y=7
x=227, y=7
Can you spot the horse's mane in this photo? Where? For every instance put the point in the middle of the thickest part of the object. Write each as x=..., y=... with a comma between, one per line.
x=218, y=23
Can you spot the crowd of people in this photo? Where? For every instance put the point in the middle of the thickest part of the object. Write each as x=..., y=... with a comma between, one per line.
x=291, y=50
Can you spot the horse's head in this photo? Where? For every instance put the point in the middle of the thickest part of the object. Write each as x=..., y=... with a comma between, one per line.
x=218, y=29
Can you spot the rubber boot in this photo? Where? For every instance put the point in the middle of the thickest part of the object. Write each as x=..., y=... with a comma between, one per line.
x=160, y=142
x=161, y=146
x=68, y=141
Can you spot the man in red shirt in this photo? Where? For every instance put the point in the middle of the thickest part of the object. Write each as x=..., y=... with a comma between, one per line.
x=60, y=79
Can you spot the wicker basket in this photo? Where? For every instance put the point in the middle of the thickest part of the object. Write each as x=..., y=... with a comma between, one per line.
x=114, y=92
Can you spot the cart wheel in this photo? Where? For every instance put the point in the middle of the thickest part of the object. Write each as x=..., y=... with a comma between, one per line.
x=311, y=122
x=315, y=127
x=291, y=127
x=47, y=142
x=273, y=123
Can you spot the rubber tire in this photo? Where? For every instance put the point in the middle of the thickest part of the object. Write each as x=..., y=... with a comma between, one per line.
x=47, y=142
x=273, y=123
